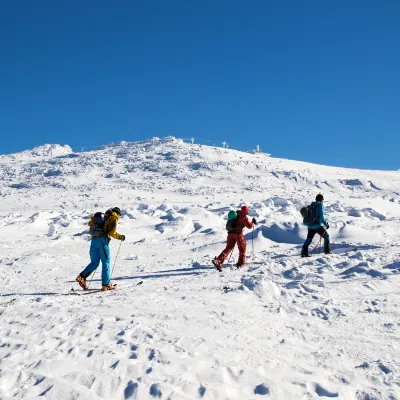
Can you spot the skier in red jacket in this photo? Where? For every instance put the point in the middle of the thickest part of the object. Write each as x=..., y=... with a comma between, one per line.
x=235, y=235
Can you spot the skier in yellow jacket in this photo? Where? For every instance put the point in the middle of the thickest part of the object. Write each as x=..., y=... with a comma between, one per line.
x=102, y=227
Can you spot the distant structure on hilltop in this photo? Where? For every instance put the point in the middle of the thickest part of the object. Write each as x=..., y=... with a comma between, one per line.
x=257, y=150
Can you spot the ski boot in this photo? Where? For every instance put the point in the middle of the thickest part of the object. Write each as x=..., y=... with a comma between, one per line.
x=108, y=287
x=82, y=282
x=217, y=264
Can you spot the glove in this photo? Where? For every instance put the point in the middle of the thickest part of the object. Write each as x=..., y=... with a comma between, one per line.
x=123, y=238
x=327, y=226
x=254, y=221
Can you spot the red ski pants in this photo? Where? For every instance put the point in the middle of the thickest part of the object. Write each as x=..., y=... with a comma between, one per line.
x=234, y=238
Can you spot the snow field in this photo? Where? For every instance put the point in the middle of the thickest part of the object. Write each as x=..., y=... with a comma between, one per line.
x=281, y=328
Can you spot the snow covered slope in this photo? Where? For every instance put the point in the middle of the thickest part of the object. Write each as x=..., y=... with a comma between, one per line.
x=281, y=328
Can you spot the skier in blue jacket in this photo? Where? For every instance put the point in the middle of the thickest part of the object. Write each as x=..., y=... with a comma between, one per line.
x=319, y=225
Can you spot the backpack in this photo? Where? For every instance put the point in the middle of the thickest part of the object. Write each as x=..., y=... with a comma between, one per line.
x=309, y=215
x=232, y=224
x=96, y=229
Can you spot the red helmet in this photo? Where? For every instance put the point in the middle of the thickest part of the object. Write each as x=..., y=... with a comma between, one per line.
x=245, y=209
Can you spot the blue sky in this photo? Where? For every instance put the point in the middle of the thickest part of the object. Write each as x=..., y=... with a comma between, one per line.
x=307, y=80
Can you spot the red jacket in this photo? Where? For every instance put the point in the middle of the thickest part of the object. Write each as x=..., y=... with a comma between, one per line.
x=242, y=221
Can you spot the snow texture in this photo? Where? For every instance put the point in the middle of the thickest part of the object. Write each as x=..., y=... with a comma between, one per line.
x=282, y=327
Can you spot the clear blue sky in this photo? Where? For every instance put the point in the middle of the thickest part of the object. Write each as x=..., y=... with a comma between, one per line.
x=309, y=80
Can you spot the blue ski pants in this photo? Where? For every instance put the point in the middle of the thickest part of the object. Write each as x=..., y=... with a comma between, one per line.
x=99, y=251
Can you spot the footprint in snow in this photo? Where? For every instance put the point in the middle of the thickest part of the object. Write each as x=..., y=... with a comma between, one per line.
x=152, y=354
x=384, y=369
x=368, y=396
x=46, y=391
x=202, y=391
x=261, y=390
x=372, y=309
x=155, y=390
x=364, y=365
x=322, y=392
x=323, y=314
x=39, y=381
x=130, y=391
x=114, y=365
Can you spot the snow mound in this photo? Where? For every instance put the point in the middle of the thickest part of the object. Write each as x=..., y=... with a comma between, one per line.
x=262, y=287
x=176, y=225
x=366, y=212
x=281, y=233
x=46, y=150
x=352, y=233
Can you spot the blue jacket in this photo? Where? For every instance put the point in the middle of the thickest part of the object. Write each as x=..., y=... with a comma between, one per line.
x=320, y=215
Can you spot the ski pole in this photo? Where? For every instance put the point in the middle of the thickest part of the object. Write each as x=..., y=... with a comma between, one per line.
x=252, y=244
x=94, y=273
x=230, y=255
x=315, y=248
x=119, y=248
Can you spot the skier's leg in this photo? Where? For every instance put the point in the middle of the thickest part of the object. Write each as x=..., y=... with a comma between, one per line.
x=94, y=259
x=105, y=261
x=230, y=244
x=310, y=236
x=327, y=243
x=242, y=249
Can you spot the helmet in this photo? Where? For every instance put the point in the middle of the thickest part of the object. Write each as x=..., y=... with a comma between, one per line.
x=232, y=215
x=245, y=209
x=319, y=197
x=117, y=210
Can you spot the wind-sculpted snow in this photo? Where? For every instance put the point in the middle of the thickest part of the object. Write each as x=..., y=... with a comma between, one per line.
x=47, y=150
x=281, y=328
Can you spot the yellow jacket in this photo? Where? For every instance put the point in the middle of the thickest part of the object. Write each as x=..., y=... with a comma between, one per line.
x=110, y=226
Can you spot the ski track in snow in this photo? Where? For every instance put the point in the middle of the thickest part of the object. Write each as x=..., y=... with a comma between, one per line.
x=280, y=328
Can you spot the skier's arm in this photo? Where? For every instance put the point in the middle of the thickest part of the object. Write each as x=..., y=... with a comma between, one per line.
x=247, y=223
x=322, y=216
x=112, y=229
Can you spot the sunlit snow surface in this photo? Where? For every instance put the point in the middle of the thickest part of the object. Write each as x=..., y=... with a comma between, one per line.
x=281, y=328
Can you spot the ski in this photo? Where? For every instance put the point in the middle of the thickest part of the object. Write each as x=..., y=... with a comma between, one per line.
x=81, y=292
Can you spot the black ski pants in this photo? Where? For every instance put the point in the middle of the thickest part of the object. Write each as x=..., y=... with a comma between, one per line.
x=310, y=236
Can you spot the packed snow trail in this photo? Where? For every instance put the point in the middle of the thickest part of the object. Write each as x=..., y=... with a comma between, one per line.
x=280, y=328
